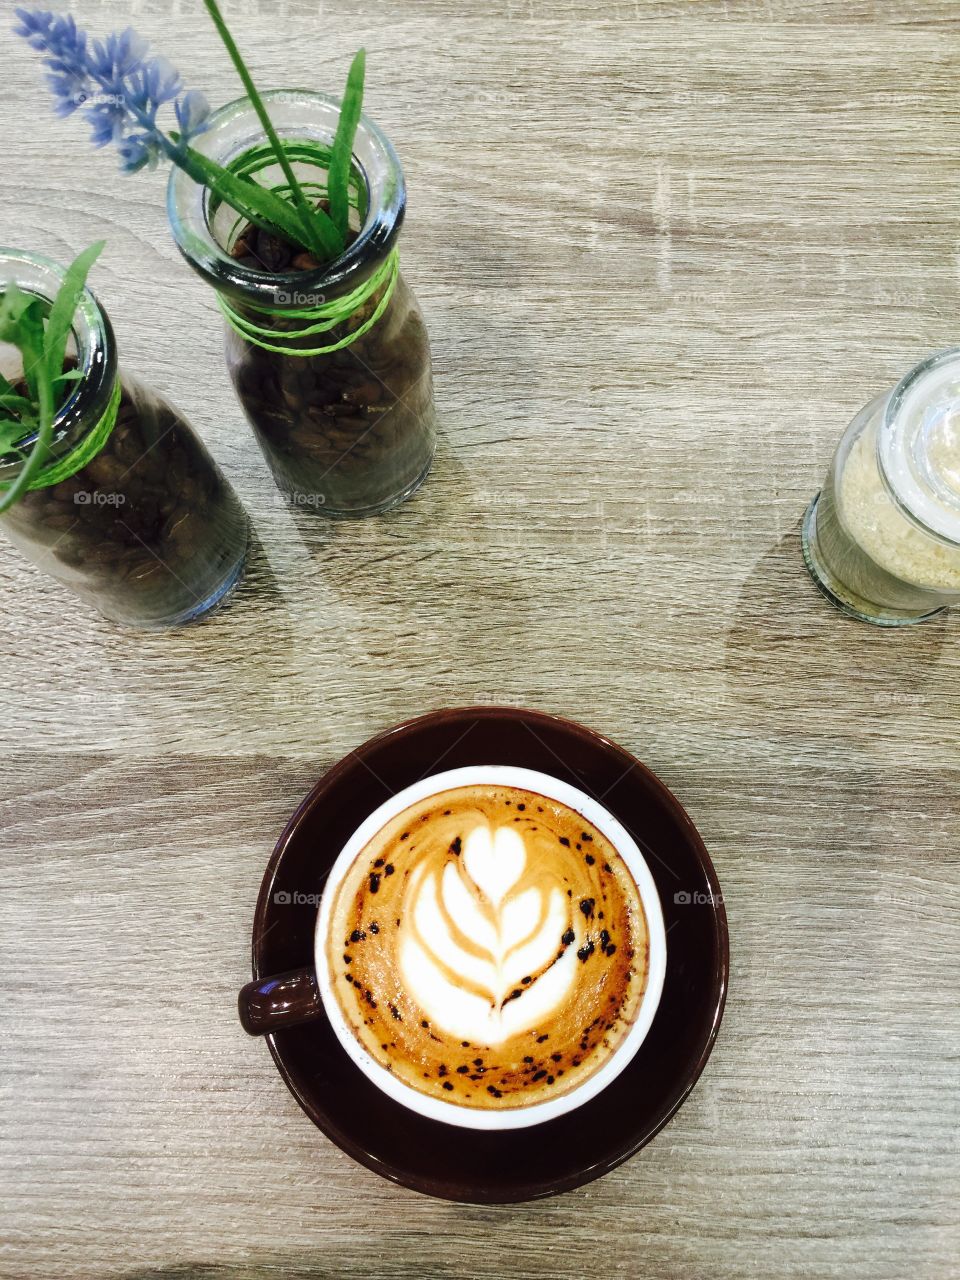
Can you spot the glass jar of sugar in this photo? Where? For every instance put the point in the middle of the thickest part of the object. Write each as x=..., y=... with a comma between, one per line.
x=882, y=538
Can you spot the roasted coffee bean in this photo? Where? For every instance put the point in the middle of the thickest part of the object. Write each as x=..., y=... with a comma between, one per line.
x=56, y=520
x=363, y=393
x=241, y=246
x=105, y=472
x=273, y=253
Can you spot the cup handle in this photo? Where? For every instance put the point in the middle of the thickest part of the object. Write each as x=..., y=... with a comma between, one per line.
x=285, y=1000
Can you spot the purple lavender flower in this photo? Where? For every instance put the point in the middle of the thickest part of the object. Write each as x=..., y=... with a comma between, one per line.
x=193, y=111
x=119, y=55
x=152, y=84
x=116, y=86
x=122, y=92
x=138, y=151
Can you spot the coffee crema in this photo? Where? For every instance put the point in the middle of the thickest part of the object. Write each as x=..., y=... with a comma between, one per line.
x=489, y=947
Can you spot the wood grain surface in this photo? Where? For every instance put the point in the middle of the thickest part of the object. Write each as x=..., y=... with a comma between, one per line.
x=665, y=252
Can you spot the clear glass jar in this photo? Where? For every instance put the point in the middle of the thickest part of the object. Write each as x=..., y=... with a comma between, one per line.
x=882, y=538
x=148, y=531
x=349, y=433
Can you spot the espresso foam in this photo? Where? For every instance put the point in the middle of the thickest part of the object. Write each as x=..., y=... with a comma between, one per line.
x=488, y=946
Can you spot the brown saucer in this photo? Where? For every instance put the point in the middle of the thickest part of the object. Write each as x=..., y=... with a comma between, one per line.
x=520, y=1164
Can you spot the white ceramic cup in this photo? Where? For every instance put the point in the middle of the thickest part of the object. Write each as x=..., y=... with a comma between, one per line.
x=536, y=1113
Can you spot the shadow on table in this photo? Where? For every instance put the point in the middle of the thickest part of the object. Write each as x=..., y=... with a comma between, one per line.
x=222, y=655
x=437, y=499
x=792, y=659
x=488, y=381
x=421, y=577
x=259, y=581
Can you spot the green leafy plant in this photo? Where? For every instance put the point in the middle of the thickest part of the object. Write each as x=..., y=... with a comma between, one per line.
x=121, y=91
x=40, y=331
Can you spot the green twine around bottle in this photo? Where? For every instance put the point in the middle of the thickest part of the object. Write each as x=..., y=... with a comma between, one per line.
x=327, y=315
x=322, y=318
x=85, y=451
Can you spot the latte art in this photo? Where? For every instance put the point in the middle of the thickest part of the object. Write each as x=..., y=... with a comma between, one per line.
x=488, y=947
x=475, y=930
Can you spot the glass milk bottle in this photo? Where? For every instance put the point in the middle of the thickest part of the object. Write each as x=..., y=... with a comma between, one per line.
x=882, y=538
x=331, y=364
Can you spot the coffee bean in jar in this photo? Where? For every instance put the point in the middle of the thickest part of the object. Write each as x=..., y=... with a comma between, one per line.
x=146, y=528
x=350, y=432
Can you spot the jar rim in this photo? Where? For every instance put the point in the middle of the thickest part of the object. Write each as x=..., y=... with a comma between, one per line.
x=233, y=130
x=903, y=460
x=95, y=349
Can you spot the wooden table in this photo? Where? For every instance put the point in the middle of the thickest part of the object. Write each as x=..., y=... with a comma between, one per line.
x=665, y=250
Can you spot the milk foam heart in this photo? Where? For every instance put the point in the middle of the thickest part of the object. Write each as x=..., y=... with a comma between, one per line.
x=475, y=935
x=496, y=863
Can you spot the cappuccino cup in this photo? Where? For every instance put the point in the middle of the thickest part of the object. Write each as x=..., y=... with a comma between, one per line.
x=489, y=949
